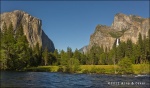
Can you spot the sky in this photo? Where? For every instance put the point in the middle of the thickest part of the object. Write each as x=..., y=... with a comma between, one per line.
x=70, y=23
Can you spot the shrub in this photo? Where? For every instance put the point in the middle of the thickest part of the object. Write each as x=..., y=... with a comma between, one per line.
x=60, y=69
x=85, y=71
x=100, y=70
x=97, y=70
x=93, y=70
x=145, y=68
x=125, y=66
x=72, y=65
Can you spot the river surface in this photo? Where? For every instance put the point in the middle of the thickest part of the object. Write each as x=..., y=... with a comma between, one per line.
x=64, y=80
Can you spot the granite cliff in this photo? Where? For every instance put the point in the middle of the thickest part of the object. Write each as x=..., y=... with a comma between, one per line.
x=123, y=27
x=32, y=28
x=84, y=49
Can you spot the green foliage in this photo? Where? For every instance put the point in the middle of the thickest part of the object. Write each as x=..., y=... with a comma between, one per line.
x=17, y=55
x=129, y=48
x=63, y=60
x=94, y=54
x=57, y=56
x=83, y=59
x=69, y=52
x=85, y=71
x=73, y=65
x=7, y=47
x=97, y=70
x=125, y=66
x=19, y=31
x=110, y=57
x=121, y=50
x=93, y=69
x=77, y=55
x=145, y=68
x=61, y=69
x=141, y=46
x=14, y=49
x=22, y=51
x=37, y=55
x=117, y=34
x=70, y=65
x=102, y=59
x=52, y=59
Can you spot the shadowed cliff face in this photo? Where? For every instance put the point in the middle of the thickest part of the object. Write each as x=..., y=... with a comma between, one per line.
x=123, y=27
x=46, y=42
x=31, y=25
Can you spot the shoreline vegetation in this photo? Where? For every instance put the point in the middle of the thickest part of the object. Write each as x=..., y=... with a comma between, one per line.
x=93, y=69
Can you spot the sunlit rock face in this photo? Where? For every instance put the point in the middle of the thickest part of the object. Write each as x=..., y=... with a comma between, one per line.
x=101, y=37
x=131, y=25
x=31, y=25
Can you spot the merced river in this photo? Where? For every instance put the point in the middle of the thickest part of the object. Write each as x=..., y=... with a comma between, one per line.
x=64, y=80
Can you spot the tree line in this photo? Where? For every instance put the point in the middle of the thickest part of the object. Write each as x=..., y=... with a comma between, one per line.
x=16, y=54
x=138, y=53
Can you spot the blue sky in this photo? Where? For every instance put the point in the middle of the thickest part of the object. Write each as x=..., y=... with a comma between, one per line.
x=70, y=23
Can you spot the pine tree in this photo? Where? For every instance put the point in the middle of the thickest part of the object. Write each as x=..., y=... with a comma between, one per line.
x=83, y=59
x=3, y=59
x=22, y=49
x=56, y=57
x=77, y=55
x=62, y=52
x=37, y=54
x=136, y=54
x=69, y=52
x=92, y=57
x=8, y=43
x=129, y=48
x=64, y=58
x=19, y=32
x=121, y=49
x=140, y=43
x=110, y=57
x=56, y=54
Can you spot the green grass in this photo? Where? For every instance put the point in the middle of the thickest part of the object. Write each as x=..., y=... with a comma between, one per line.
x=43, y=69
x=99, y=69
x=141, y=68
x=109, y=69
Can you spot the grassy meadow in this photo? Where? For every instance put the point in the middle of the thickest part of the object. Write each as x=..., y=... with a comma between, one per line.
x=98, y=69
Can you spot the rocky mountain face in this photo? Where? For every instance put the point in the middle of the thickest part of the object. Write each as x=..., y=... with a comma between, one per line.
x=32, y=28
x=123, y=27
x=84, y=49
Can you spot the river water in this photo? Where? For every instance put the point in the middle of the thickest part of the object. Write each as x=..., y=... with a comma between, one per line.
x=64, y=80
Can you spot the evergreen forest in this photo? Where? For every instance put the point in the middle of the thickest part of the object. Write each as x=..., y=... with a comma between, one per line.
x=16, y=54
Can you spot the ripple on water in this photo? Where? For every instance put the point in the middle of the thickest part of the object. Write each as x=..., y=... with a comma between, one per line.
x=63, y=80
